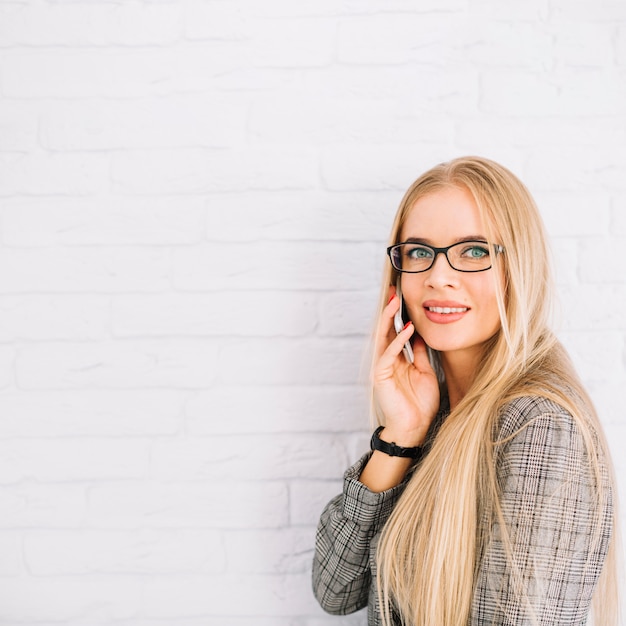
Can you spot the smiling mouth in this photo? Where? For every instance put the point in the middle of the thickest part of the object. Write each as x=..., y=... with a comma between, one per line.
x=446, y=309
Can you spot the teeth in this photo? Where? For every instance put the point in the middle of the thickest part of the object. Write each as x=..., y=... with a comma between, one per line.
x=447, y=309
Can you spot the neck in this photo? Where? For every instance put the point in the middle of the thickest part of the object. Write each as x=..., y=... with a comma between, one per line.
x=460, y=371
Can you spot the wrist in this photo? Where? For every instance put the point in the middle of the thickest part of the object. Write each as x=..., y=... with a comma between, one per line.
x=407, y=439
x=387, y=445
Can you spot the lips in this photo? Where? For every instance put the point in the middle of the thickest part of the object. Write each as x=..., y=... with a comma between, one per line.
x=444, y=312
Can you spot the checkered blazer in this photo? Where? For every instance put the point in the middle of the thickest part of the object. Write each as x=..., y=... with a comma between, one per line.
x=541, y=468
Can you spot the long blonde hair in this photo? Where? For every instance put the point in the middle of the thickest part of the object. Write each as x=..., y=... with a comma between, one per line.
x=427, y=555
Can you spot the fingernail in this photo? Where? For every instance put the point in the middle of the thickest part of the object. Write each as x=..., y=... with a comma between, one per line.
x=406, y=325
x=390, y=299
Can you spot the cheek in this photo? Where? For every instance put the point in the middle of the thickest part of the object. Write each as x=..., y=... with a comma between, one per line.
x=412, y=295
x=489, y=306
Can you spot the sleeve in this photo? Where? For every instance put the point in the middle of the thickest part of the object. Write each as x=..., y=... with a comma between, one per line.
x=341, y=566
x=559, y=532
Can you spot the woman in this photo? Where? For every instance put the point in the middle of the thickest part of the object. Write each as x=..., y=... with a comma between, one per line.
x=487, y=497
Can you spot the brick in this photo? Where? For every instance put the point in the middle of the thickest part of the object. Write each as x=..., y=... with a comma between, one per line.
x=273, y=457
x=327, y=620
x=18, y=124
x=591, y=363
x=519, y=93
x=53, y=317
x=72, y=460
x=423, y=89
x=222, y=620
x=581, y=308
x=511, y=43
x=618, y=216
x=285, y=8
x=105, y=220
x=308, y=498
x=94, y=24
x=616, y=434
x=566, y=255
x=620, y=45
x=403, y=6
x=380, y=168
x=343, y=314
x=188, y=505
x=91, y=413
x=584, y=44
x=580, y=168
x=492, y=10
x=93, y=73
x=356, y=444
x=30, y=505
x=91, y=270
x=90, y=552
x=294, y=43
x=279, y=265
x=195, y=171
x=606, y=10
x=181, y=364
x=601, y=260
x=289, y=362
x=329, y=120
x=301, y=215
x=571, y=93
x=416, y=37
x=532, y=132
x=119, y=72
x=53, y=174
x=12, y=563
x=144, y=123
x=568, y=214
x=265, y=596
x=240, y=76
x=223, y=20
x=257, y=314
x=7, y=366
x=282, y=551
x=295, y=409
x=30, y=600
x=606, y=396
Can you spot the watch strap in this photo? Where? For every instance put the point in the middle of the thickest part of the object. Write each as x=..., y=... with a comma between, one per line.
x=392, y=449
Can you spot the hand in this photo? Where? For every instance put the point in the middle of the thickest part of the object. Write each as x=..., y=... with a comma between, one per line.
x=407, y=393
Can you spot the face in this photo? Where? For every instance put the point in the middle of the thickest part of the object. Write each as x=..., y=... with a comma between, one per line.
x=455, y=312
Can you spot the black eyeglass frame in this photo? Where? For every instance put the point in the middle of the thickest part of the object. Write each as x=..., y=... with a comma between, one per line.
x=498, y=249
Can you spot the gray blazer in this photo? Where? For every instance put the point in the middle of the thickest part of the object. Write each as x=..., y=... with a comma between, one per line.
x=543, y=468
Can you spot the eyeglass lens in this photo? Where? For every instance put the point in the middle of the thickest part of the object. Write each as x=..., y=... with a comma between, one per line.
x=467, y=256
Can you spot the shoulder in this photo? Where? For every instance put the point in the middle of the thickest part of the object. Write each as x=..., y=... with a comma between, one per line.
x=536, y=431
x=538, y=437
x=534, y=413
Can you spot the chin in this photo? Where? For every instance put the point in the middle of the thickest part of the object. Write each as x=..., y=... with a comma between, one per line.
x=447, y=342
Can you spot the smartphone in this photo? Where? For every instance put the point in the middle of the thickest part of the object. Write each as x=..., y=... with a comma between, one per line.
x=399, y=323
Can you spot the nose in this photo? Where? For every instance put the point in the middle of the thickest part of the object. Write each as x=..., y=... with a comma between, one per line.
x=442, y=274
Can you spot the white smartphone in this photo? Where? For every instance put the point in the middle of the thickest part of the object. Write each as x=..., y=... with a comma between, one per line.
x=399, y=323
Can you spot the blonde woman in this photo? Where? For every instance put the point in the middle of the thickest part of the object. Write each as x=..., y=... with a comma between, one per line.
x=487, y=497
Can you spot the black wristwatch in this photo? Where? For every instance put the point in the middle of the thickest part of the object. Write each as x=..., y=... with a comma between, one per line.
x=392, y=449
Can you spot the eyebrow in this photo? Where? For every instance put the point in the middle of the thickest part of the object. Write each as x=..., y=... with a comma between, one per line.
x=428, y=242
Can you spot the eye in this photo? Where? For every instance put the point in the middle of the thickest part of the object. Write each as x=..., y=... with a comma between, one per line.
x=475, y=251
x=418, y=252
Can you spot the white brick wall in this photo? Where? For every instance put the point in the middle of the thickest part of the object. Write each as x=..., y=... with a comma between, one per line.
x=194, y=200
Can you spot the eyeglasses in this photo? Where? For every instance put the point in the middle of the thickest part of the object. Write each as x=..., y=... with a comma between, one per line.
x=467, y=256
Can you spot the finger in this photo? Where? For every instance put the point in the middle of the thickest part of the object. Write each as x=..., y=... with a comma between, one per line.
x=388, y=359
x=385, y=331
x=420, y=354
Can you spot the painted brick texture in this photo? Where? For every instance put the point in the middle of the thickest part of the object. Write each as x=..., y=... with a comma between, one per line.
x=195, y=197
